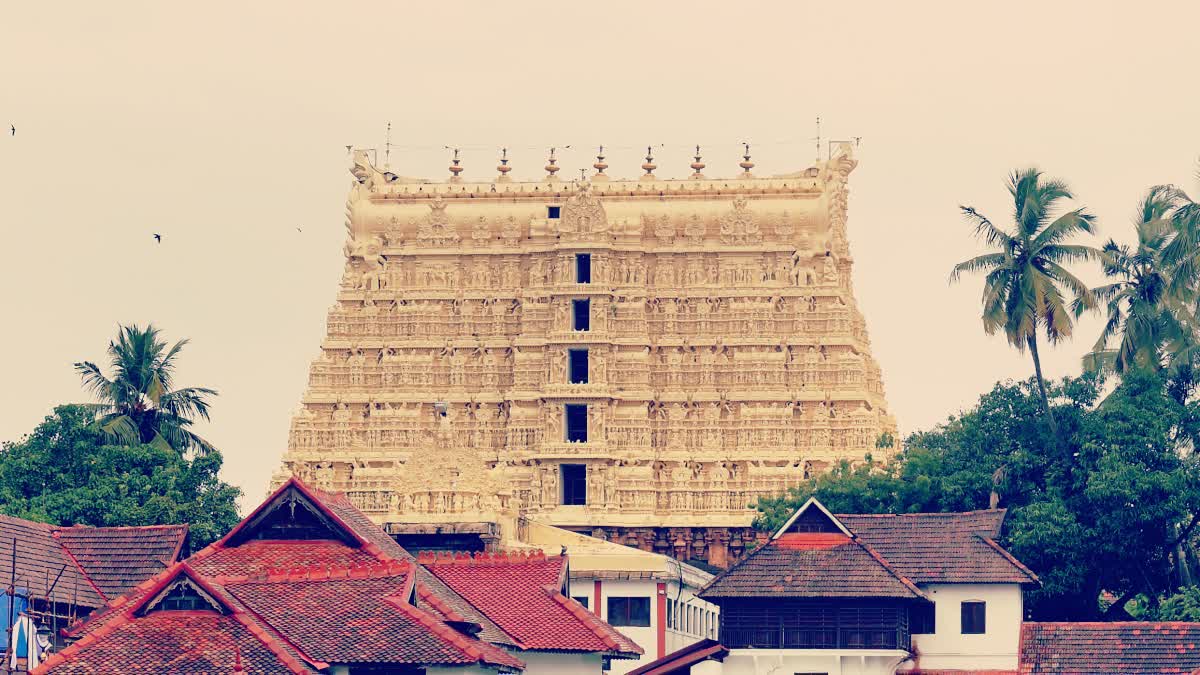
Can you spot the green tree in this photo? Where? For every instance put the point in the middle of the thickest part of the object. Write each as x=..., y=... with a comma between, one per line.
x=1149, y=314
x=1095, y=511
x=64, y=473
x=138, y=404
x=1182, y=606
x=1026, y=274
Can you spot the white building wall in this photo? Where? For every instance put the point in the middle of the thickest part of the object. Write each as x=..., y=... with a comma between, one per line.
x=704, y=616
x=787, y=661
x=997, y=648
x=546, y=663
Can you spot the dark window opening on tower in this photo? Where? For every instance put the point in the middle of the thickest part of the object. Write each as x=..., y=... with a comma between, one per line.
x=583, y=318
x=574, y=484
x=553, y=211
x=576, y=415
x=583, y=268
x=578, y=366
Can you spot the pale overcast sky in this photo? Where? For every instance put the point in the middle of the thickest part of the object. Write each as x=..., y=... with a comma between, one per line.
x=223, y=127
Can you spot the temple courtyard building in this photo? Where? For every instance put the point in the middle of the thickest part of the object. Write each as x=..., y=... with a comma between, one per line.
x=637, y=360
x=912, y=594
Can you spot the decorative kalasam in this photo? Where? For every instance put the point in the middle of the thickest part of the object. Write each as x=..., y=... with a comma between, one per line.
x=726, y=356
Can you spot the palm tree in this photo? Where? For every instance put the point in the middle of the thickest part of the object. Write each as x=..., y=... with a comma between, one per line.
x=138, y=404
x=1149, y=306
x=1026, y=274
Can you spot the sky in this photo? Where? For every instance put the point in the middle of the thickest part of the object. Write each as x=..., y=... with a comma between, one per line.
x=223, y=127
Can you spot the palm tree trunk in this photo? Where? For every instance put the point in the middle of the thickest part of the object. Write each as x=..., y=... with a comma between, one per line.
x=1037, y=369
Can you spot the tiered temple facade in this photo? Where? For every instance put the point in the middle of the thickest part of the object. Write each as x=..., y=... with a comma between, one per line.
x=633, y=359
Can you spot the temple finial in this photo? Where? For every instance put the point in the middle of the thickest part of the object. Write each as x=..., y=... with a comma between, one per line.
x=551, y=167
x=503, y=168
x=649, y=166
x=455, y=169
x=697, y=166
x=746, y=164
x=600, y=166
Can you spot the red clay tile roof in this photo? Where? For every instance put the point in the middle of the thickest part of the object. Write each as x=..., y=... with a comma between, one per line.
x=812, y=565
x=263, y=555
x=1129, y=648
x=118, y=558
x=361, y=620
x=932, y=548
x=681, y=661
x=122, y=639
x=521, y=594
x=97, y=563
x=171, y=643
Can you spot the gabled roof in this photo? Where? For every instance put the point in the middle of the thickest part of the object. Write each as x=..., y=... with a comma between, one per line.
x=813, y=556
x=165, y=642
x=1128, y=647
x=118, y=558
x=522, y=594
x=96, y=563
x=361, y=615
x=681, y=661
x=942, y=547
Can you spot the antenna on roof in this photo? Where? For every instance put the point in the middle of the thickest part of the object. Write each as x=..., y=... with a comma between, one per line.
x=387, y=145
x=818, y=138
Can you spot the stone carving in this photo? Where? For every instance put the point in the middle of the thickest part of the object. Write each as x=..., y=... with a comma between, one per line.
x=583, y=215
x=740, y=226
x=720, y=367
x=437, y=230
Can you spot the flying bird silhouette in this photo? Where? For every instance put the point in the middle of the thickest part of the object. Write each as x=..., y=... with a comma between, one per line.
x=299, y=230
x=157, y=238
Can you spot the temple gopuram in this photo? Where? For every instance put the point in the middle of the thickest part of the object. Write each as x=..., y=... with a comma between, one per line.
x=638, y=360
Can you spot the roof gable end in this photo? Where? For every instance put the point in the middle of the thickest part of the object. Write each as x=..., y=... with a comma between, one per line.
x=812, y=517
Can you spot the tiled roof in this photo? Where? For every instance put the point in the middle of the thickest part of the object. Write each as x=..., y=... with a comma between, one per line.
x=1129, y=648
x=96, y=563
x=812, y=565
x=521, y=594
x=123, y=639
x=171, y=643
x=40, y=557
x=361, y=620
x=263, y=555
x=681, y=661
x=118, y=558
x=941, y=547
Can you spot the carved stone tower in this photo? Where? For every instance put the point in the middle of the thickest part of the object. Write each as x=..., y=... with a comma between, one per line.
x=633, y=359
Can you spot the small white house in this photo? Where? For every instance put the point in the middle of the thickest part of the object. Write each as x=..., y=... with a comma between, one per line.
x=648, y=597
x=866, y=595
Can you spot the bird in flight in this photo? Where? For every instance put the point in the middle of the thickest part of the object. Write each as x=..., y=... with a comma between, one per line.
x=157, y=238
x=299, y=230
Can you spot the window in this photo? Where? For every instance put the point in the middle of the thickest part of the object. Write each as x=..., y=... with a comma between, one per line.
x=583, y=268
x=576, y=414
x=670, y=613
x=553, y=211
x=574, y=485
x=581, y=599
x=974, y=617
x=583, y=318
x=578, y=366
x=923, y=619
x=629, y=611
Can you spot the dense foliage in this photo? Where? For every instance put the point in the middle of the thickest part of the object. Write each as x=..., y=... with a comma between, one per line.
x=65, y=473
x=1096, y=512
